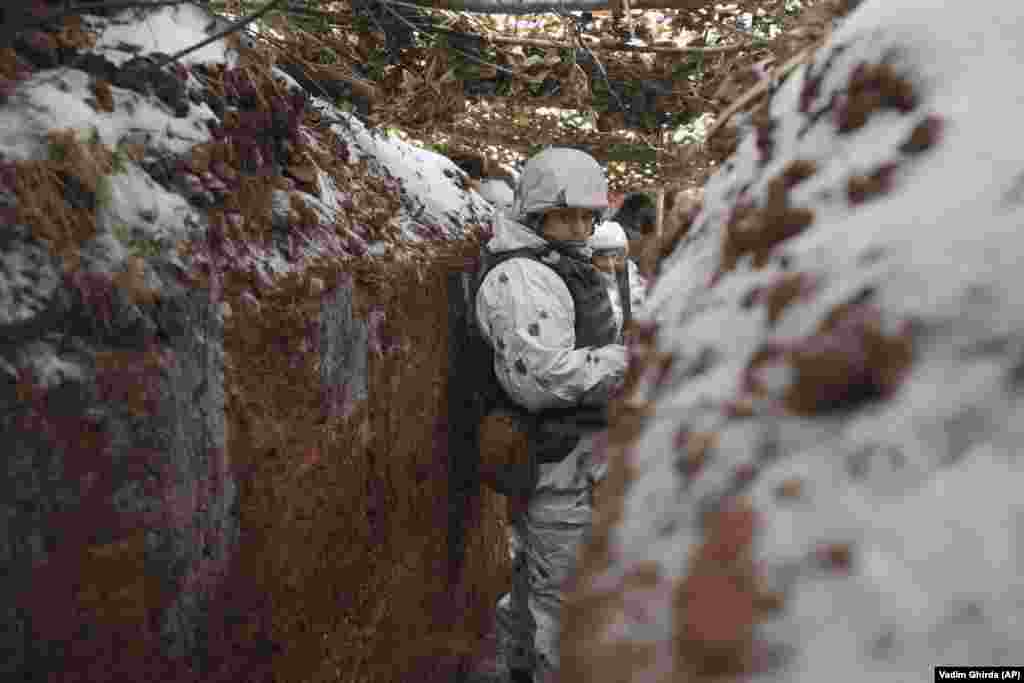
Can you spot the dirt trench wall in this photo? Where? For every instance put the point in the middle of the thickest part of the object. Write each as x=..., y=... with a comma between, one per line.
x=252, y=492
x=337, y=406
x=211, y=471
x=118, y=501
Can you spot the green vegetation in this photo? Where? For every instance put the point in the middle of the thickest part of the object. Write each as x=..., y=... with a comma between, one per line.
x=692, y=69
x=439, y=147
x=693, y=131
x=327, y=56
x=143, y=247
x=120, y=159
x=104, y=191
x=57, y=151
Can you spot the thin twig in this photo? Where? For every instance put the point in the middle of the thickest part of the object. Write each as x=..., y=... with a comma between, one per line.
x=757, y=90
x=234, y=27
x=467, y=55
x=314, y=70
x=617, y=47
x=539, y=42
x=600, y=66
x=379, y=25
x=523, y=7
x=599, y=145
x=649, y=255
x=628, y=16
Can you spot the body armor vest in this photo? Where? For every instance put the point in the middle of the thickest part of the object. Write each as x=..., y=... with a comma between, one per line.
x=594, y=318
x=552, y=433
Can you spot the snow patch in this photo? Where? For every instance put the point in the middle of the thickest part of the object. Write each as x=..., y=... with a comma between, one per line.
x=166, y=29
x=432, y=193
x=922, y=485
x=140, y=209
x=57, y=99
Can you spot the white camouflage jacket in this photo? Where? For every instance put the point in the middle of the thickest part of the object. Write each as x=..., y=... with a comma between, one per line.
x=527, y=314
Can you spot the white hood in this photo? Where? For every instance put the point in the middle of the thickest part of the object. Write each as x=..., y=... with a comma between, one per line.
x=497, y=192
x=510, y=234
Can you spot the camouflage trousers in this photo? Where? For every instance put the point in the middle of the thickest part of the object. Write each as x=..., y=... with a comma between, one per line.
x=546, y=536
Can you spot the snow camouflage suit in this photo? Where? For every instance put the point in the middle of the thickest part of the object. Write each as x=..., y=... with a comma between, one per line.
x=548, y=319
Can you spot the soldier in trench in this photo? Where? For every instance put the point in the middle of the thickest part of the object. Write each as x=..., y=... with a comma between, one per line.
x=544, y=310
x=611, y=248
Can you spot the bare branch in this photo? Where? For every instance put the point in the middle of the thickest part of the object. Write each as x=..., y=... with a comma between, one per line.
x=540, y=6
x=602, y=146
x=758, y=89
x=316, y=71
x=611, y=47
x=387, y=5
x=236, y=26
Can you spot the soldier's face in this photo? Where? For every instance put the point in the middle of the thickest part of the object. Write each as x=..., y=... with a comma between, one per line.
x=609, y=261
x=568, y=225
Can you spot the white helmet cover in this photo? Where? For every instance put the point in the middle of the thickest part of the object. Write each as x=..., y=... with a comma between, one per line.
x=608, y=235
x=560, y=177
x=497, y=192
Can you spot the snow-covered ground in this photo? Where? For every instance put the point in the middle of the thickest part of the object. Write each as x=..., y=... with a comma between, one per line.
x=921, y=485
x=162, y=29
x=435, y=201
x=57, y=99
x=430, y=181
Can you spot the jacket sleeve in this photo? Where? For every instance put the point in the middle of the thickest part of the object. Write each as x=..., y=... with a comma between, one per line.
x=527, y=314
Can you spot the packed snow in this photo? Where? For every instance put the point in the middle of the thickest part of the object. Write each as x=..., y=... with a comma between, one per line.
x=57, y=99
x=165, y=29
x=433, y=186
x=922, y=485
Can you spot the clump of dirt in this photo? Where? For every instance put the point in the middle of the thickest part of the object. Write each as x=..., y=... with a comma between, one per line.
x=924, y=136
x=790, y=489
x=104, y=96
x=873, y=87
x=722, y=598
x=58, y=197
x=849, y=360
x=757, y=231
x=861, y=188
x=785, y=291
x=837, y=556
